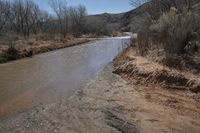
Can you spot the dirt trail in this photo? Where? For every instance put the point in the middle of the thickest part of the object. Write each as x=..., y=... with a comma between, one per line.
x=112, y=104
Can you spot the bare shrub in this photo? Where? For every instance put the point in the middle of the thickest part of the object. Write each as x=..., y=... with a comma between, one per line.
x=12, y=53
x=142, y=27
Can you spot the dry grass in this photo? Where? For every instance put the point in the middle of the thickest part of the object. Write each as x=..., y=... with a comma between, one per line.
x=33, y=46
x=144, y=71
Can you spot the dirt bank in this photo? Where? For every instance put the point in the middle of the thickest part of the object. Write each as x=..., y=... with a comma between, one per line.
x=30, y=47
x=173, y=96
x=144, y=71
x=112, y=104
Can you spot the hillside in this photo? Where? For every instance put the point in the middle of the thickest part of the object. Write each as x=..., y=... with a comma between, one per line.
x=126, y=20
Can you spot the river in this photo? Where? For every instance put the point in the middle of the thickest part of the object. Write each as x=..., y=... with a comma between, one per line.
x=53, y=76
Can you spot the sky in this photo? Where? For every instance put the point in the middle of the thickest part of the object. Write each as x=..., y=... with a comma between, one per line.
x=93, y=6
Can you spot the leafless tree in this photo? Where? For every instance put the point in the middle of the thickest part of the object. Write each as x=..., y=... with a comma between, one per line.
x=24, y=17
x=27, y=17
x=50, y=25
x=5, y=10
x=31, y=17
x=37, y=19
x=61, y=10
x=78, y=19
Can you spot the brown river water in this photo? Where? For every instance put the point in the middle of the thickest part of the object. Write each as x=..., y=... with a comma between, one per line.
x=53, y=76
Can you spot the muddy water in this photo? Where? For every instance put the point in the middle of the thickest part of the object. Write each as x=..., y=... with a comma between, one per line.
x=54, y=76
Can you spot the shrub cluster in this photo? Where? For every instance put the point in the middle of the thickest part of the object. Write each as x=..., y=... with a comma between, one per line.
x=174, y=32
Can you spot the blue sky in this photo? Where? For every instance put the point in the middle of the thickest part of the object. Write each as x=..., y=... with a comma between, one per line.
x=94, y=6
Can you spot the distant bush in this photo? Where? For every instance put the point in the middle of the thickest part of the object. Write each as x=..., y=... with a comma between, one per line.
x=98, y=27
